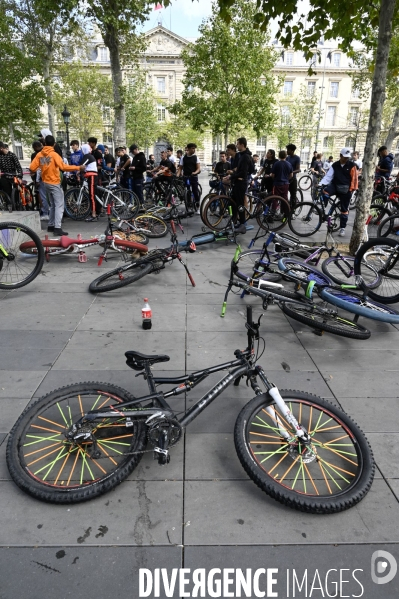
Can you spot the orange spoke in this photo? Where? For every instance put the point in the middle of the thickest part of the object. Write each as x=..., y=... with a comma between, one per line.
x=289, y=469
x=103, y=404
x=52, y=422
x=329, y=428
x=322, y=471
x=310, y=418
x=81, y=407
x=107, y=454
x=300, y=412
x=73, y=467
x=279, y=416
x=266, y=443
x=333, y=466
x=117, y=437
x=279, y=462
x=43, y=456
x=311, y=479
x=62, y=467
x=264, y=435
x=97, y=464
x=339, y=454
x=42, y=428
x=335, y=440
x=42, y=449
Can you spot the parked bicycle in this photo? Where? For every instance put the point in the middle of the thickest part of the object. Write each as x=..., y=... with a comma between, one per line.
x=82, y=440
x=16, y=268
x=125, y=204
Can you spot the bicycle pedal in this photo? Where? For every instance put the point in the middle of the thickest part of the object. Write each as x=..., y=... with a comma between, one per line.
x=82, y=257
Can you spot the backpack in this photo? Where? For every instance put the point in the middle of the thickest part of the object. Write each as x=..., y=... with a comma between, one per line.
x=251, y=167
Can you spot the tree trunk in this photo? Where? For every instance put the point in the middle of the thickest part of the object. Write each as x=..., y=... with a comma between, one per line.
x=11, y=127
x=374, y=126
x=226, y=135
x=393, y=130
x=49, y=94
x=112, y=43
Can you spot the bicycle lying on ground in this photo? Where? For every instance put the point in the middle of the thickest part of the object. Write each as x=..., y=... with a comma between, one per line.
x=119, y=241
x=82, y=440
x=16, y=268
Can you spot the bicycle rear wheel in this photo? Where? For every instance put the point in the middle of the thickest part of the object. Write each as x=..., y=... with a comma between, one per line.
x=341, y=270
x=309, y=221
x=272, y=213
x=216, y=215
x=126, y=203
x=77, y=203
x=42, y=460
x=324, y=320
x=382, y=255
x=16, y=267
x=359, y=305
x=305, y=182
x=121, y=276
x=331, y=474
x=389, y=227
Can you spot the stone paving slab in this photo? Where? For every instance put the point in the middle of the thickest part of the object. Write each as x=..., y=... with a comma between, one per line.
x=238, y=512
x=135, y=513
x=19, y=383
x=374, y=414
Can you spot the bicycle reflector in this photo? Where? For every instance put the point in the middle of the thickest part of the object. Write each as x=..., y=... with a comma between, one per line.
x=192, y=247
x=109, y=208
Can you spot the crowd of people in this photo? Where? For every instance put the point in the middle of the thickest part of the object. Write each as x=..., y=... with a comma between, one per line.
x=237, y=167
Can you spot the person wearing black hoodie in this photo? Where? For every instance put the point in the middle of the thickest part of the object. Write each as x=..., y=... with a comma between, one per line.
x=385, y=164
x=239, y=179
x=137, y=169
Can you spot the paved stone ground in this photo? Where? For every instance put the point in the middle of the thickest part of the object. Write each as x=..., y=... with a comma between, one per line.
x=201, y=510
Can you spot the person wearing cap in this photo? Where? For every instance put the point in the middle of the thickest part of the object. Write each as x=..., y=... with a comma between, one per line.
x=137, y=168
x=340, y=180
x=295, y=162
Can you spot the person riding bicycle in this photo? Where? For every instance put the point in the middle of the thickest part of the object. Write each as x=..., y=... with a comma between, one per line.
x=341, y=180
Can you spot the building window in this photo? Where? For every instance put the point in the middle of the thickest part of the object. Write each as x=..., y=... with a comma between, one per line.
x=161, y=85
x=160, y=112
x=311, y=89
x=106, y=114
x=261, y=142
x=103, y=54
x=313, y=60
x=337, y=59
x=288, y=88
x=331, y=112
x=18, y=150
x=305, y=155
x=107, y=138
x=350, y=142
x=306, y=142
x=61, y=135
x=334, y=86
x=353, y=116
x=289, y=58
x=327, y=142
x=355, y=92
x=285, y=115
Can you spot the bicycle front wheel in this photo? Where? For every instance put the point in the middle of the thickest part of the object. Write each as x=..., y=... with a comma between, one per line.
x=18, y=268
x=341, y=270
x=272, y=213
x=43, y=461
x=309, y=221
x=255, y=265
x=305, y=182
x=316, y=317
x=330, y=474
x=389, y=227
x=216, y=214
x=77, y=204
x=126, y=203
x=121, y=276
x=382, y=255
x=152, y=225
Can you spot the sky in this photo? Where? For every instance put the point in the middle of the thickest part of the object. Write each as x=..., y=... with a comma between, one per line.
x=185, y=17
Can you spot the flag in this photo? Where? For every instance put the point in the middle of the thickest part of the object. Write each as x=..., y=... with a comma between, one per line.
x=158, y=6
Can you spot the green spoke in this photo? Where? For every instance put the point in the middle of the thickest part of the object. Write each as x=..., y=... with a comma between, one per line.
x=51, y=465
x=41, y=439
x=272, y=453
x=62, y=413
x=70, y=415
x=321, y=426
x=317, y=423
x=297, y=474
x=266, y=425
x=85, y=463
x=326, y=466
x=96, y=402
x=335, y=450
x=113, y=448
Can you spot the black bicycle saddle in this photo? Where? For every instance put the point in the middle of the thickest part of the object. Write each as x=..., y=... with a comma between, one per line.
x=137, y=361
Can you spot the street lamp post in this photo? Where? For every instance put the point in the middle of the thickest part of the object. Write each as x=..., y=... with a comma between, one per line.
x=321, y=99
x=66, y=116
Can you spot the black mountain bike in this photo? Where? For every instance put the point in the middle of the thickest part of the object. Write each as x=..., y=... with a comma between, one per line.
x=82, y=440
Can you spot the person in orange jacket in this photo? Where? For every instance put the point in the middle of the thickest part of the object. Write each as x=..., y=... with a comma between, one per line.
x=50, y=165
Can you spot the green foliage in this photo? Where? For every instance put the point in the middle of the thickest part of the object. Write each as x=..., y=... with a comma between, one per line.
x=142, y=126
x=300, y=124
x=85, y=91
x=22, y=95
x=228, y=79
x=178, y=132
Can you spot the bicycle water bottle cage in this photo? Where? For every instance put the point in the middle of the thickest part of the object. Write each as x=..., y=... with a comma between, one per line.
x=137, y=361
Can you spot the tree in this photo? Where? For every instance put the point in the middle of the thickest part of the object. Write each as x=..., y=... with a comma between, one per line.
x=142, y=125
x=372, y=24
x=228, y=80
x=22, y=95
x=43, y=26
x=86, y=92
x=117, y=21
x=178, y=132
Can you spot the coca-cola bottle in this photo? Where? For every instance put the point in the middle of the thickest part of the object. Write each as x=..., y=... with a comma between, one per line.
x=146, y=314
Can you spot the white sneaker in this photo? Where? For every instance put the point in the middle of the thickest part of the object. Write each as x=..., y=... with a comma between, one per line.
x=198, y=211
x=341, y=233
x=45, y=217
